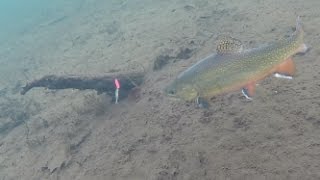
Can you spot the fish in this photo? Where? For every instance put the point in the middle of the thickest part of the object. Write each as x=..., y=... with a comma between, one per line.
x=234, y=68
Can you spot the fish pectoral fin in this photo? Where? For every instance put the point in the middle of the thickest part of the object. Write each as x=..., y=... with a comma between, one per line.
x=228, y=44
x=249, y=90
x=201, y=103
x=285, y=69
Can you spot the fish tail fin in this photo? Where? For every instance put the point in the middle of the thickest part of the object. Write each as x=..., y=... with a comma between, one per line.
x=299, y=29
x=298, y=24
x=299, y=33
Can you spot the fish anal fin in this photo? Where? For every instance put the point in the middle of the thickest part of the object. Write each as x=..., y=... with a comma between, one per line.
x=286, y=68
x=228, y=44
x=249, y=90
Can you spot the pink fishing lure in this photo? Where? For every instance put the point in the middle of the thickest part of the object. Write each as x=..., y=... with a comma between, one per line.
x=117, y=83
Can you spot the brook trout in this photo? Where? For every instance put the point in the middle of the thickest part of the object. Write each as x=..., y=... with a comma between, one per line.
x=232, y=68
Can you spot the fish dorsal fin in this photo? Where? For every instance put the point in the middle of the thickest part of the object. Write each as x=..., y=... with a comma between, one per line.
x=228, y=44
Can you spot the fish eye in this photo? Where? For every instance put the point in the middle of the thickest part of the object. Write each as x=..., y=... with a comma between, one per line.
x=172, y=92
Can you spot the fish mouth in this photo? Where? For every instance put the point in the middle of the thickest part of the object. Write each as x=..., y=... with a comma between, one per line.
x=173, y=98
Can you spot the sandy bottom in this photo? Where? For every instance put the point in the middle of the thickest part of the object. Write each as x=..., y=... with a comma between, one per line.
x=70, y=134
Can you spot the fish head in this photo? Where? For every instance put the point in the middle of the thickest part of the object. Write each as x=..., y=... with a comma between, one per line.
x=181, y=91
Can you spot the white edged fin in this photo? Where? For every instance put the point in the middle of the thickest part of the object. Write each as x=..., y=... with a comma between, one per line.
x=287, y=68
x=201, y=103
x=245, y=94
x=283, y=76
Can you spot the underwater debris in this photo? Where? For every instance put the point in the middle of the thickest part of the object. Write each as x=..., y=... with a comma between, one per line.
x=161, y=61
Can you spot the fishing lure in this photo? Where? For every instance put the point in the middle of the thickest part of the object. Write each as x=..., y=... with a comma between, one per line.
x=117, y=85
